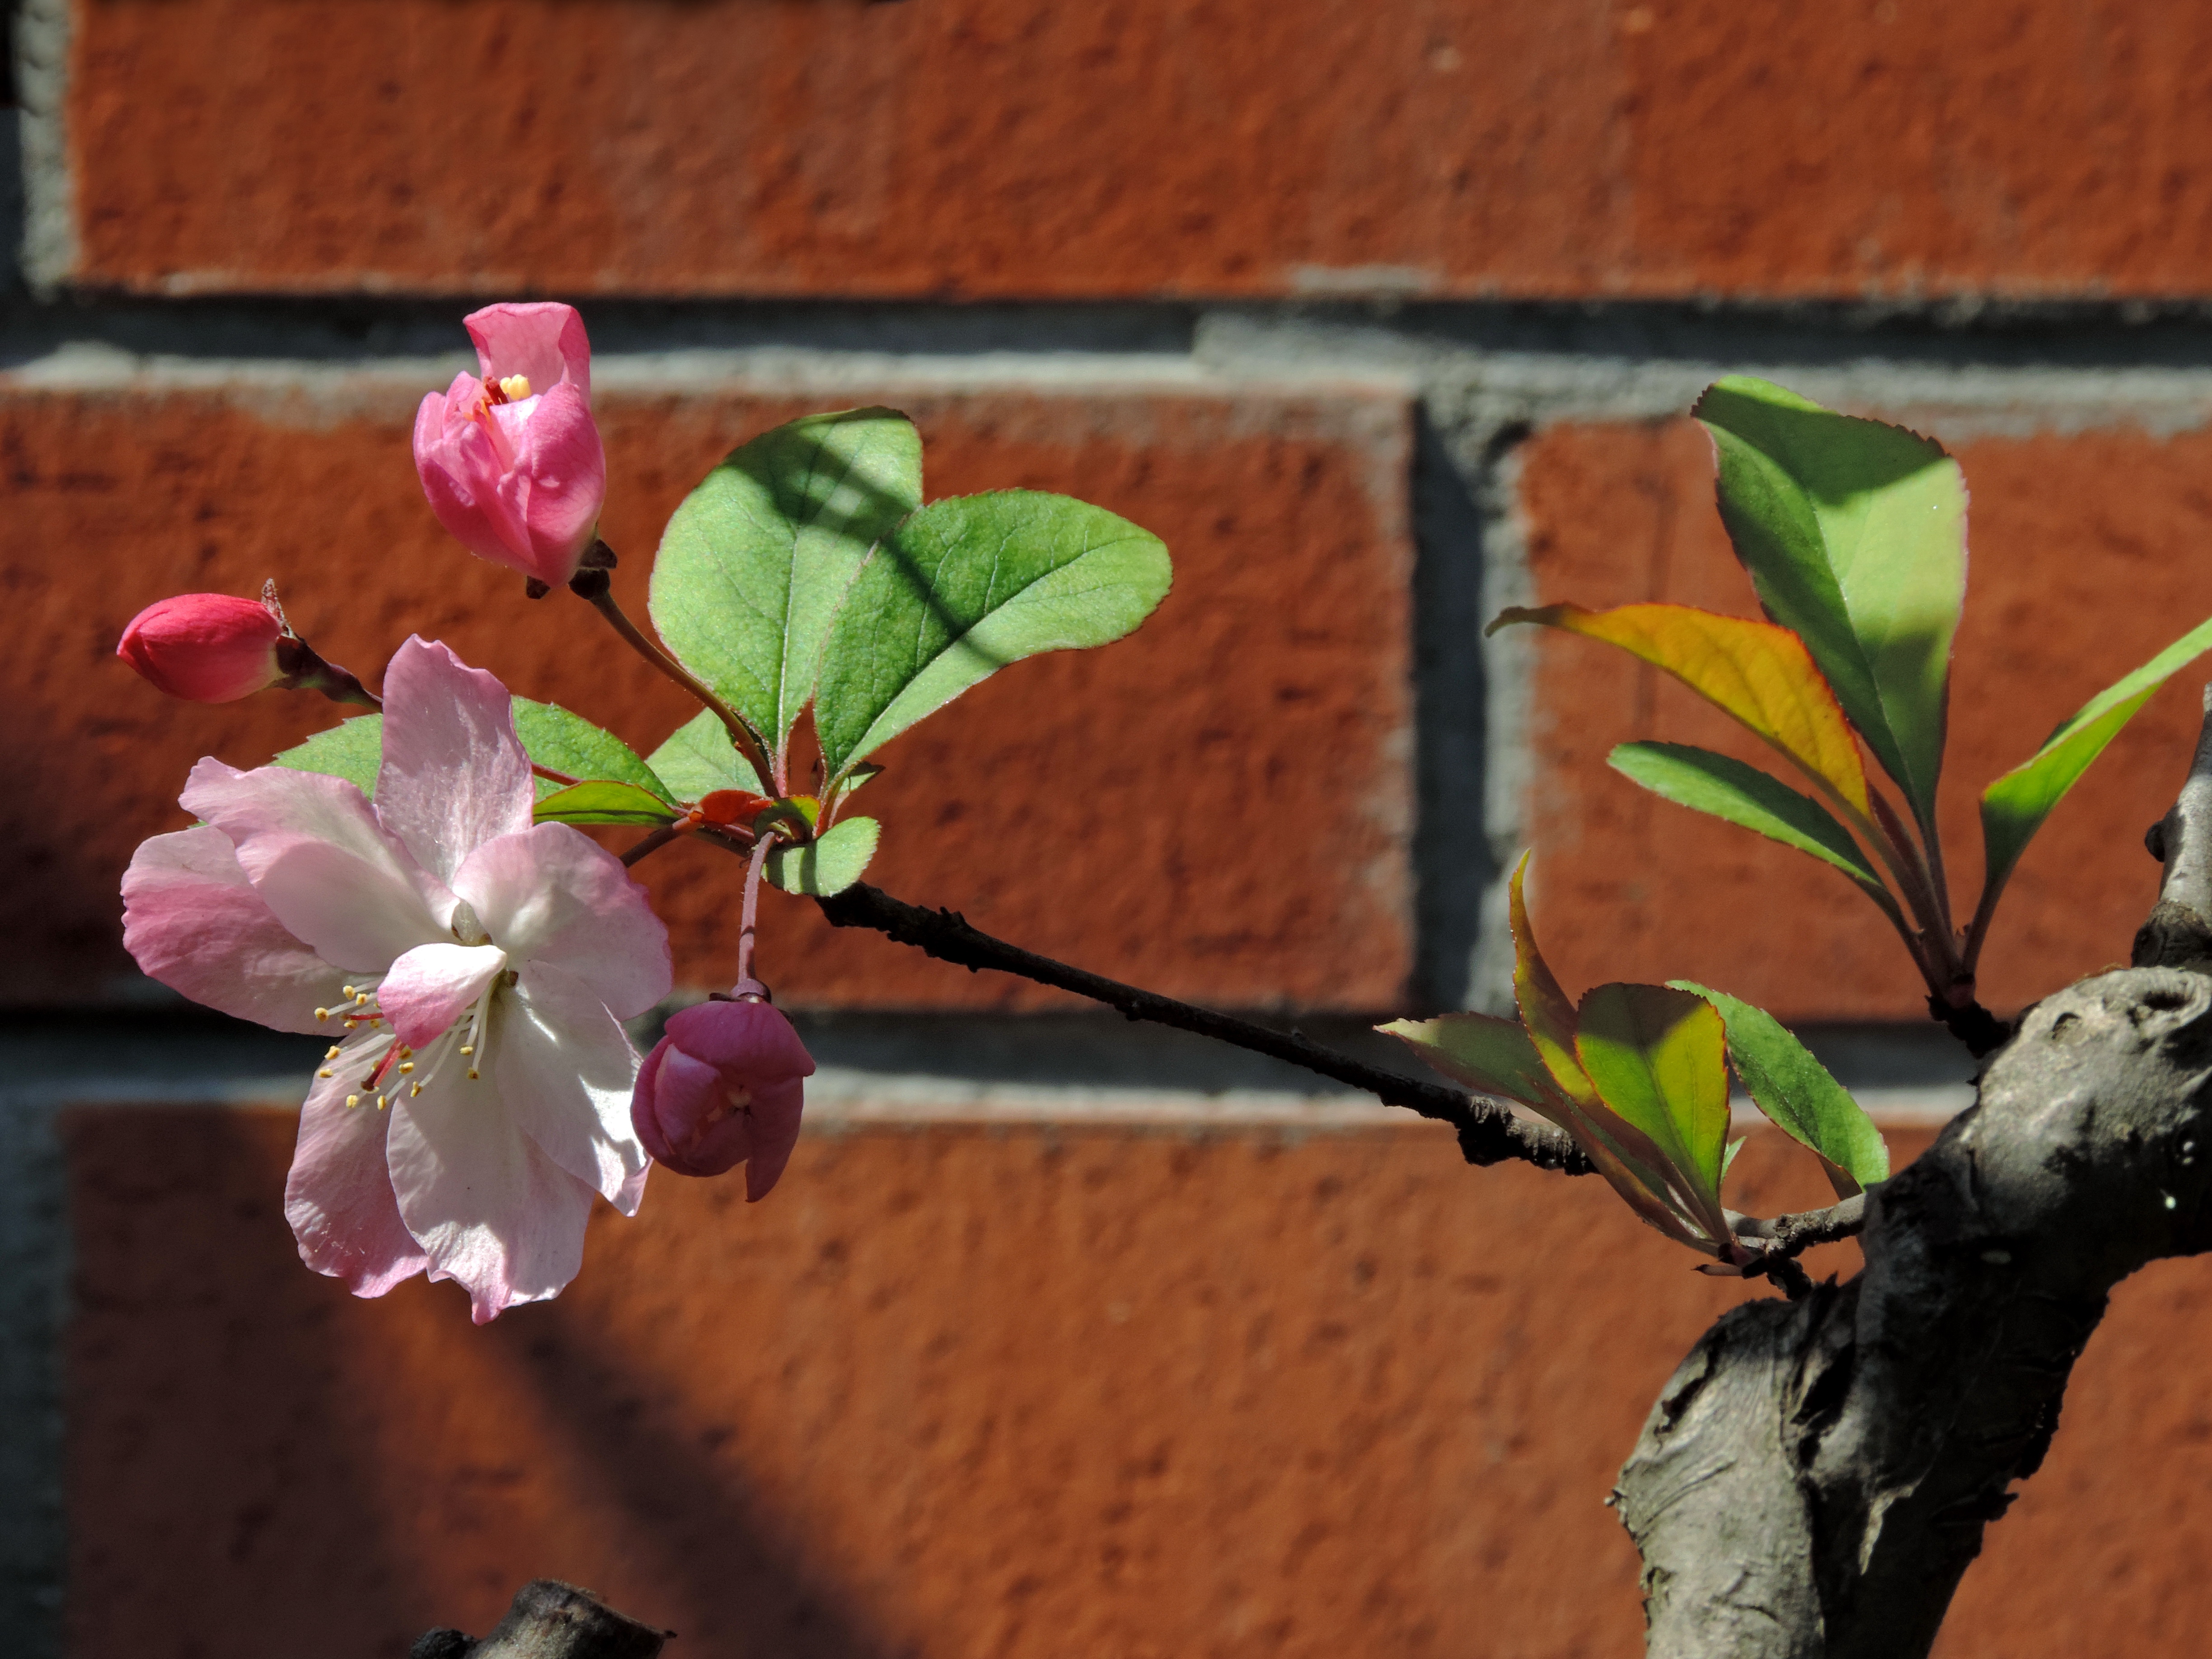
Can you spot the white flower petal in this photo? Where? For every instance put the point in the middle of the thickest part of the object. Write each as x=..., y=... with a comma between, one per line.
x=192, y=920
x=433, y=985
x=565, y=1069
x=489, y=1207
x=455, y=773
x=554, y=895
x=339, y=1197
x=315, y=851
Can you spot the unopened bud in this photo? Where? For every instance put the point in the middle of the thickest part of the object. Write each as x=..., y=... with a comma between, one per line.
x=205, y=647
x=725, y=1085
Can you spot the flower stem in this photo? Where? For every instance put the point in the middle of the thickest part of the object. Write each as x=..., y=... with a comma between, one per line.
x=592, y=583
x=750, y=916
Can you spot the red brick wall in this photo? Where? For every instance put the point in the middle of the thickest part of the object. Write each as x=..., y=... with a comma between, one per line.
x=1066, y=1388
x=967, y=147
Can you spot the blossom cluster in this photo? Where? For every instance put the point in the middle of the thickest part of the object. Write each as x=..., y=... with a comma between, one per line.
x=472, y=967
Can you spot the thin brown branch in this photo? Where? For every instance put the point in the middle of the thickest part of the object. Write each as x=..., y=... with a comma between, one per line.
x=1488, y=1132
x=1786, y=1235
x=592, y=585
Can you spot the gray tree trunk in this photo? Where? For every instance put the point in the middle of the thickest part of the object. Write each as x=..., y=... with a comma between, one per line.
x=1817, y=1475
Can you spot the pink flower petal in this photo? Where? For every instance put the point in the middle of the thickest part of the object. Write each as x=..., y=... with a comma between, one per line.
x=565, y=469
x=753, y=1038
x=339, y=1197
x=490, y=1209
x=544, y=341
x=461, y=468
x=433, y=985
x=681, y=1108
x=192, y=920
x=334, y=876
x=564, y=1070
x=455, y=773
x=777, y=1107
x=553, y=895
x=208, y=647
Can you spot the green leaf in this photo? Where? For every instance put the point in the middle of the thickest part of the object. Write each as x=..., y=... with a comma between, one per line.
x=603, y=802
x=568, y=743
x=1728, y=788
x=963, y=588
x=756, y=561
x=353, y=750
x=1657, y=1056
x=1794, y=1089
x=1854, y=535
x=699, y=758
x=1490, y=1055
x=2015, y=805
x=828, y=865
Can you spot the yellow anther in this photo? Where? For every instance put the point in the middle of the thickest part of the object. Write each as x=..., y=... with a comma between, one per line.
x=474, y=1073
x=379, y=1102
x=361, y=999
x=353, y=1100
x=321, y=1014
x=406, y=1065
x=468, y=1047
x=516, y=387
x=347, y=990
x=413, y=1090
x=326, y=1072
x=330, y=1052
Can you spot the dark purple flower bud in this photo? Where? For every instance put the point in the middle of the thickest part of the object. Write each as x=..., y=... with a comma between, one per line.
x=723, y=1086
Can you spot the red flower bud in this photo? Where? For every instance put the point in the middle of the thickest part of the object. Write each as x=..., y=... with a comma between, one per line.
x=724, y=1085
x=205, y=648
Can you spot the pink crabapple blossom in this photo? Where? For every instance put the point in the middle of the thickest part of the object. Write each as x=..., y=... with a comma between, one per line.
x=724, y=1084
x=205, y=647
x=473, y=969
x=511, y=462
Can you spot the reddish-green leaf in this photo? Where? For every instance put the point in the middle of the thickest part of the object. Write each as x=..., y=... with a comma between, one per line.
x=1756, y=672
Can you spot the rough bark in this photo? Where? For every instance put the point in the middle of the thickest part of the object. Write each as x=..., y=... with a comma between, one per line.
x=550, y=1619
x=1817, y=1474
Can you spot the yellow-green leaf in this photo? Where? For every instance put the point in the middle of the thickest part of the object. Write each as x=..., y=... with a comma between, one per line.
x=603, y=801
x=1481, y=1052
x=1760, y=674
x=2015, y=805
x=1659, y=1059
x=1546, y=1011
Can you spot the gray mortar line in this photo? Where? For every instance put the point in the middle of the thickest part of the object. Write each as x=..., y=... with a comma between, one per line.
x=49, y=246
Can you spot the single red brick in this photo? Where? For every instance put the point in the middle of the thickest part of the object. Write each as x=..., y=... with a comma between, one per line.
x=1218, y=807
x=996, y=148
x=2083, y=567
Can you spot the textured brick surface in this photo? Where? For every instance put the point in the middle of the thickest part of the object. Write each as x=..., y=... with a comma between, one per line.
x=2082, y=568
x=1218, y=806
x=1027, y=1392
x=991, y=147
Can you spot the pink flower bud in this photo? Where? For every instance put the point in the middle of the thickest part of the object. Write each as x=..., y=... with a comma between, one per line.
x=723, y=1085
x=512, y=463
x=205, y=648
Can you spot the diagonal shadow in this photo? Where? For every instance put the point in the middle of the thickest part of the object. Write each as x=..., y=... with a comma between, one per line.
x=220, y=1490
x=728, y=1550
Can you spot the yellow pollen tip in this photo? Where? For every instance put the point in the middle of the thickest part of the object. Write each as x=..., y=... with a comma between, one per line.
x=353, y=1100
x=361, y=999
x=406, y=1065
x=322, y=1014
x=326, y=1072
x=517, y=386
x=468, y=1047
x=474, y=1073
x=332, y=1052
x=413, y=1090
